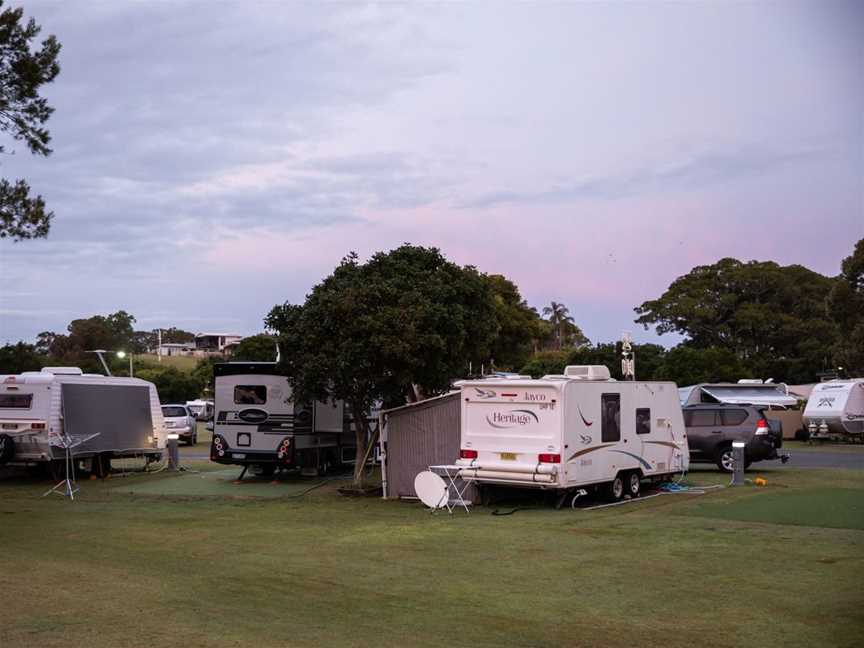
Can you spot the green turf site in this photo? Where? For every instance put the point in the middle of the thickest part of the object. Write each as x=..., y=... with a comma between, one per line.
x=197, y=560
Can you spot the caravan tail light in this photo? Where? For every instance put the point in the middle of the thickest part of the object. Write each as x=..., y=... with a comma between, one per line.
x=283, y=453
x=549, y=458
x=762, y=427
x=467, y=454
x=218, y=449
x=37, y=426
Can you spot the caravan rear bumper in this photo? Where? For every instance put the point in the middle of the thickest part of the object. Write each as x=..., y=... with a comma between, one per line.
x=539, y=475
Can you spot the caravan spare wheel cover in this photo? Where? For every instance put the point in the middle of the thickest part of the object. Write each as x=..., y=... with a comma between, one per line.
x=252, y=415
x=431, y=489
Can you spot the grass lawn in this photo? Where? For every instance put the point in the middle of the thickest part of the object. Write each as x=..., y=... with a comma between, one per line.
x=183, y=363
x=781, y=565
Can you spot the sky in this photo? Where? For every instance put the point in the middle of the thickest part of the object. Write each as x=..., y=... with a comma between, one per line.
x=213, y=159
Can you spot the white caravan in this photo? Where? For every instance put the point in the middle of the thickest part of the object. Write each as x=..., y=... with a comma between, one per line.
x=835, y=409
x=202, y=410
x=39, y=408
x=257, y=423
x=575, y=430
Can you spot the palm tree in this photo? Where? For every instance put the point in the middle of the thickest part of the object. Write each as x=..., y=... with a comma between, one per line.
x=559, y=316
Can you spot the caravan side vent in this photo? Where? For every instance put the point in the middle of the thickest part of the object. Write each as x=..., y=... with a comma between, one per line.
x=587, y=372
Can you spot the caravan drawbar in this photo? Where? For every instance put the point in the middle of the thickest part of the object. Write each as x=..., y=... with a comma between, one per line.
x=574, y=430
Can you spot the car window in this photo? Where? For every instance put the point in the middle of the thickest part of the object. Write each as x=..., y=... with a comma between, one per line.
x=700, y=418
x=172, y=412
x=250, y=394
x=733, y=416
x=643, y=420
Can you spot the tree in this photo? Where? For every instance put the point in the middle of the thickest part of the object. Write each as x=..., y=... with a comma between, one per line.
x=846, y=304
x=113, y=332
x=16, y=358
x=23, y=114
x=564, y=330
x=518, y=325
x=401, y=325
x=204, y=376
x=173, y=385
x=773, y=318
x=687, y=365
x=261, y=348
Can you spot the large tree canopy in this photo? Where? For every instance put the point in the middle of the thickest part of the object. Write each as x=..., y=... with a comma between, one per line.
x=847, y=307
x=260, y=348
x=774, y=318
x=406, y=322
x=23, y=114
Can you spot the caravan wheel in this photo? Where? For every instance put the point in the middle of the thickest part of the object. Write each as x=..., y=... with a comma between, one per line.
x=634, y=484
x=615, y=488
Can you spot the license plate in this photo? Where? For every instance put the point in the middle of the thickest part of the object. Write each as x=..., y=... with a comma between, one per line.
x=10, y=426
x=508, y=456
x=239, y=455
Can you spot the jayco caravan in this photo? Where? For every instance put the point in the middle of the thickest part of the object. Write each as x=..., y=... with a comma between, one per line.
x=40, y=410
x=836, y=410
x=257, y=422
x=574, y=430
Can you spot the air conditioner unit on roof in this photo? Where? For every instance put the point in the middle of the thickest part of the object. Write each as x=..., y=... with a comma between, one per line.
x=587, y=372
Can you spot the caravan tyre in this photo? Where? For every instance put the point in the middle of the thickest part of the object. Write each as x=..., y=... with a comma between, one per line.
x=634, y=484
x=615, y=489
x=7, y=448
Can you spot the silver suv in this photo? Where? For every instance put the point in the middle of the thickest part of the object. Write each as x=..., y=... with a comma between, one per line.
x=179, y=420
x=711, y=429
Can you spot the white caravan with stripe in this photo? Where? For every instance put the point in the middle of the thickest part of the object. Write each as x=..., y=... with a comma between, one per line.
x=578, y=429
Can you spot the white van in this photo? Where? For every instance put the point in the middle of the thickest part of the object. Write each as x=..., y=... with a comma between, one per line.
x=573, y=430
x=39, y=408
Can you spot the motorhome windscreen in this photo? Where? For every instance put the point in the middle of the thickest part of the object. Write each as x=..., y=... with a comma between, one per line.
x=16, y=401
x=119, y=414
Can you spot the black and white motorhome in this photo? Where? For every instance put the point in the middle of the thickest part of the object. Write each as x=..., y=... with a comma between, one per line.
x=257, y=423
x=568, y=431
x=40, y=409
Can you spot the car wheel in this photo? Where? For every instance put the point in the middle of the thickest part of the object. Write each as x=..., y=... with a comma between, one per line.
x=726, y=460
x=634, y=484
x=615, y=489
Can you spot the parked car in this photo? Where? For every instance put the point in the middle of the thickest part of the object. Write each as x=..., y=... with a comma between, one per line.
x=711, y=429
x=179, y=420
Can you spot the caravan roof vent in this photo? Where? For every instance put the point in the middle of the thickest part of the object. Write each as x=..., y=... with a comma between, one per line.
x=63, y=371
x=751, y=381
x=587, y=372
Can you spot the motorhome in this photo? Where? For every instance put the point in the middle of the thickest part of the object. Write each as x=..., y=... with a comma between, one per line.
x=40, y=411
x=570, y=431
x=258, y=423
x=835, y=410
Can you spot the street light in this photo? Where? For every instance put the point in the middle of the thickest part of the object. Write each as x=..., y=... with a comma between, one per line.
x=121, y=355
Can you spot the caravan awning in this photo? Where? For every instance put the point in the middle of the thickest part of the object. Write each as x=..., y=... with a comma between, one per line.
x=773, y=395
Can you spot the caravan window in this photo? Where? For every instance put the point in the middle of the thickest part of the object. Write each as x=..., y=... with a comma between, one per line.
x=16, y=401
x=610, y=423
x=250, y=394
x=643, y=421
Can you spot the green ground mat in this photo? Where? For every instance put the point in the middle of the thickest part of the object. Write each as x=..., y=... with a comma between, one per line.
x=213, y=482
x=819, y=507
